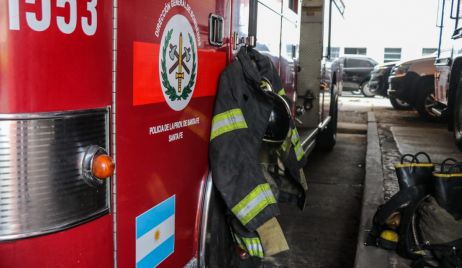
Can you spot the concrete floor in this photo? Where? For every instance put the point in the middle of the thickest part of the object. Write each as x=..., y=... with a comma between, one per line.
x=399, y=132
x=438, y=143
x=325, y=233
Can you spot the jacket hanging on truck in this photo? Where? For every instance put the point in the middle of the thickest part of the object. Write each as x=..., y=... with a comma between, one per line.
x=241, y=114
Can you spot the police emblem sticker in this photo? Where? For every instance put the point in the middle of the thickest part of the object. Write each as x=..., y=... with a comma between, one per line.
x=178, y=62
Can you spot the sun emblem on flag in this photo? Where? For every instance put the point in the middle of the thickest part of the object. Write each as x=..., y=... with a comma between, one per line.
x=178, y=62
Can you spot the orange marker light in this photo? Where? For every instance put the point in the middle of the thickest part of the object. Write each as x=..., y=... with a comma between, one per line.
x=102, y=166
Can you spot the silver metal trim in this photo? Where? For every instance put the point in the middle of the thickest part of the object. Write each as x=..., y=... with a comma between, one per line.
x=205, y=219
x=46, y=115
x=113, y=127
x=219, y=21
x=311, y=136
x=41, y=175
x=87, y=165
x=324, y=123
x=96, y=215
x=251, y=40
x=436, y=111
x=310, y=147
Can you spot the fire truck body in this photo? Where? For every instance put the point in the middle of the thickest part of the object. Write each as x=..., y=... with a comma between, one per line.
x=55, y=91
x=132, y=79
x=448, y=74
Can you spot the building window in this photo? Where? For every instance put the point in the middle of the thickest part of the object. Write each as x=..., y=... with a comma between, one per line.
x=428, y=51
x=392, y=54
x=334, y=52
x=355, y=50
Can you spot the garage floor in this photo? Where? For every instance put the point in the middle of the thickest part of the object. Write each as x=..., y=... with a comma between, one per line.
x=437, y=142
x=325, y=234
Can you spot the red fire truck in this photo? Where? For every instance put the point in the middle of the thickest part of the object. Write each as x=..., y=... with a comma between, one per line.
x=86, y=84
x=448, y=76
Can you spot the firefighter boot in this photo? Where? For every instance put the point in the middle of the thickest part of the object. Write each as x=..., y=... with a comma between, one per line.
x=412, y=172
x=448, y=187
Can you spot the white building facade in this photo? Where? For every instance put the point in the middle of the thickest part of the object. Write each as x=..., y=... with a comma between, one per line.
x=386, y=30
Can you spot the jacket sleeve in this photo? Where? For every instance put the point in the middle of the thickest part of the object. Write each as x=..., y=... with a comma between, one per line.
x=234, y=159
x=294, y=156
x=295, y=159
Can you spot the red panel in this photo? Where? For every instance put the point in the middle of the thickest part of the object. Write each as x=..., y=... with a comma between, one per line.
x=50, y=70
x=87, y=245
x=150, y=168
x=146, y=86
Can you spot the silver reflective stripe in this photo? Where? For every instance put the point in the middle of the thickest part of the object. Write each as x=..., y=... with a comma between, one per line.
x=252, y=204
x=295, y=138
x=255, y=249
x=226, y=122
x=298, y=149
x=253, y=246
x=299, y=152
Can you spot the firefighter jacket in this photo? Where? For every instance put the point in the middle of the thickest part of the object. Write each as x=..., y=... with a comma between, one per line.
x=240, y=119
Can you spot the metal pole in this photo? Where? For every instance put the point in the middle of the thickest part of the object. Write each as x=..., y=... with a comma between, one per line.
x=457, y=14
x=441, y=28
x=253, y=13
x=330, y=29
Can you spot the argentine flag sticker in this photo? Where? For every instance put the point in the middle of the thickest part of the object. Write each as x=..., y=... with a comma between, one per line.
x=155, y=234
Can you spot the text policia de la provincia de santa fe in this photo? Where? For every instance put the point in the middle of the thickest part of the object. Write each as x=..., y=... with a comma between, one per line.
x=174, y=126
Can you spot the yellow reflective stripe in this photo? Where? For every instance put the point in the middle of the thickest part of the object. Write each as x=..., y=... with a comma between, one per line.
x=447, y=176
x=257, y=200
x=282, y=92
x=226, y=122
x=413, y=165
x=295, y=137
x=264, y=84
x=254, y=247
x=298, y=149
x=285, y=145
x=251, y=245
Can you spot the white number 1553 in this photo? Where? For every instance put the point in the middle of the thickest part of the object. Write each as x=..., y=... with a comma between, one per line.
x=41, y=22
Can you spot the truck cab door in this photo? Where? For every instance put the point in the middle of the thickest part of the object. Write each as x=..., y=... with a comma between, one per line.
x=167, y=74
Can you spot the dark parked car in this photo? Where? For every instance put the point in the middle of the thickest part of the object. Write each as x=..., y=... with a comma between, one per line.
x=379, y=78
x=413, y=82
x=379, y=84
x=354, y=72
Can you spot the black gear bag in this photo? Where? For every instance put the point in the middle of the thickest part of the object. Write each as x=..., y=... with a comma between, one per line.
x=396, y=215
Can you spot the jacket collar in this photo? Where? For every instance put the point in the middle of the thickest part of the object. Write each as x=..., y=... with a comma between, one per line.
x=255, y=65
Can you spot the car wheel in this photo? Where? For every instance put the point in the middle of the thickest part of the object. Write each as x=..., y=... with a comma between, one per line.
x=328, y=137
x=366, y=89
x=457, y=118
x=399, y=104
x=425, y=102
